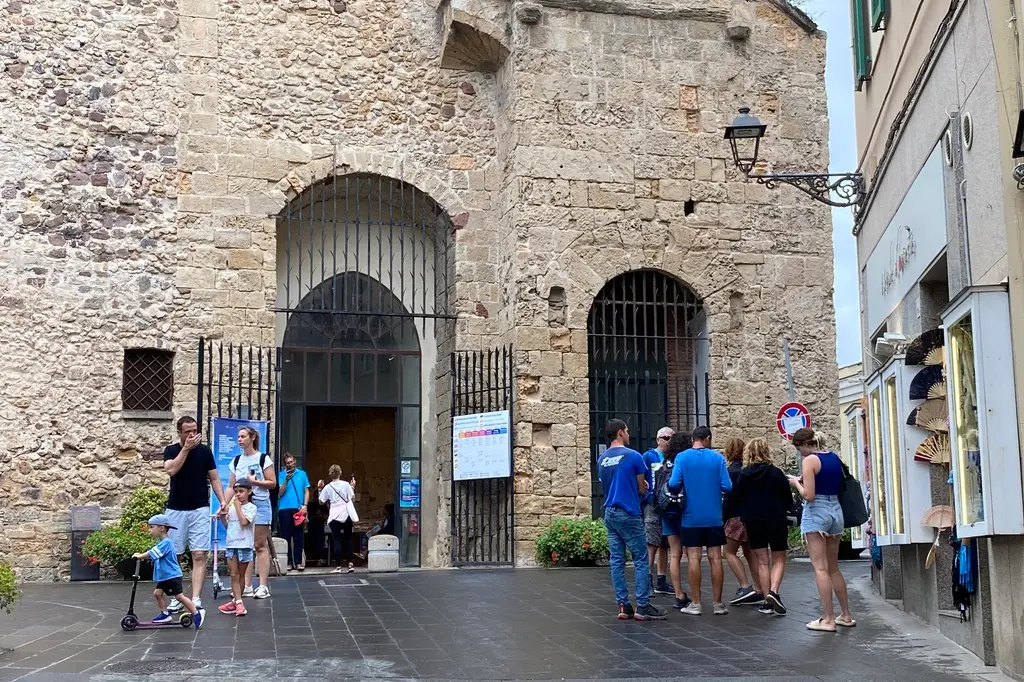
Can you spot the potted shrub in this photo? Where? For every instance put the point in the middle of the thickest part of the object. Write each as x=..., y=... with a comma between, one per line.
x=573, y=542
x=115, y=544
x=9, y=592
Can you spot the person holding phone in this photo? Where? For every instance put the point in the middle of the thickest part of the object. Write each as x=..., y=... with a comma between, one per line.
x=292, y=508
x=339, y=495
x=258, y=469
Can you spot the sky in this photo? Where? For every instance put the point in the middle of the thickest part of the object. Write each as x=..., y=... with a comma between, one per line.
x=833, y=17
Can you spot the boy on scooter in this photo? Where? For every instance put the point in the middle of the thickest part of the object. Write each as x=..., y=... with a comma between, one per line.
x=167, y=572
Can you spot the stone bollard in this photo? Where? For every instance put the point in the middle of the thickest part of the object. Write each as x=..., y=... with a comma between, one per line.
x=382, y=554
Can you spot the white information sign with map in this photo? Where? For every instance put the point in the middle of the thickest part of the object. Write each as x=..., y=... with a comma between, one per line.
x=482, y=446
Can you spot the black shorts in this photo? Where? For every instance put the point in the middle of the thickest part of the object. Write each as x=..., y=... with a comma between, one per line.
x=171, y=588
x=763, y=534
x=713, y=536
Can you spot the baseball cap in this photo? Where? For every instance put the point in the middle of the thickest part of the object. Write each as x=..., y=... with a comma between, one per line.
x=243, y=483
x=162, y=520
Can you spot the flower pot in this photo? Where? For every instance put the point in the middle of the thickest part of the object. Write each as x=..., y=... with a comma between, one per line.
x=847, y=551
x=126, y=569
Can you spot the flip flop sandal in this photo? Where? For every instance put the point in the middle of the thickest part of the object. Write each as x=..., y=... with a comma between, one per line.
x=817, y=626
x=846, y=623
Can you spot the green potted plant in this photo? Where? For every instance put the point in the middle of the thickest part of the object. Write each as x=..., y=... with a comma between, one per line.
x=9, y=592
x=115, y=544
x=572, y=542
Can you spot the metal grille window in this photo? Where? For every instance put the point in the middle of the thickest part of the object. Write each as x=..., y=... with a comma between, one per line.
x=147, y=383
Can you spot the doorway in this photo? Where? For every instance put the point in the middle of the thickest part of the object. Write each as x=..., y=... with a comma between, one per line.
x=361, y=440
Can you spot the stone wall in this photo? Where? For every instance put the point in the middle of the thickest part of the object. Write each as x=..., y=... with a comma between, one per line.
x=148, y=146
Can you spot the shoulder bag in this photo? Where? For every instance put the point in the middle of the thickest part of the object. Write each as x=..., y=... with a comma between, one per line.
x=851, y=499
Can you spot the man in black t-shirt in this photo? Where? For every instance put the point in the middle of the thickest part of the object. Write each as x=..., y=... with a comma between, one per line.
x=192, y=469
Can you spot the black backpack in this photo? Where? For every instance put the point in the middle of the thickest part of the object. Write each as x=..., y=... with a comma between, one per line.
x=264, y=457
x=664, y=500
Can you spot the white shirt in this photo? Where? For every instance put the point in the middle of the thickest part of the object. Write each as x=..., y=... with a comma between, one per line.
x=338, y=494
x=249, y=467
x=239, y=536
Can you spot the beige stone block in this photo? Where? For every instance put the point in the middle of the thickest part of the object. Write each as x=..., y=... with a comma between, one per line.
x=674, y=190
x=544, y=458
x=718, y=170
x=190, y=162
x=198, y=84
x=607, y=195
x=747, y=258
x=523, y=434
x=544, y=162
x=209, y=184
x=194, y=278
x=248, y=146
x=580, y=341
x=246, y=186
x=245, y=259
x=563, y=435
x=200, y=123
x=270, y=169
x=561, y=340
x=287, y=150
x=558, y=389
x=702, y=169
x=545, y=363
x=198, y=48
x=189, y=203
x=532, y=338
x=236, y=164
x=688, y=97
x=265, y=204
x=575, y=365
x=232, y=239
x=248, y=299
x=463, y=163
x=228, y=205
x=206, y=144
x=198, y=8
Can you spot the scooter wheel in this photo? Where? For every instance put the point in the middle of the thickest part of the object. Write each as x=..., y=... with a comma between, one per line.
x=186, y=621
x=216, y=591
x=129, y=623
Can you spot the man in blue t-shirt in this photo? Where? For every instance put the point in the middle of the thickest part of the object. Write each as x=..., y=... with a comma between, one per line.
x=703, y=474
x=657, y=544
x=623, y=476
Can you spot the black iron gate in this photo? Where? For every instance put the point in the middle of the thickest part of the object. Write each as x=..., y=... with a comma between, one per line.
x=238, y=381
x=648, y=355
x=483, y=510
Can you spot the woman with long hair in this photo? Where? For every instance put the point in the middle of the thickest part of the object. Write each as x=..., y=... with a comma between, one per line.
x=258, y=469
x=671, y=521
x=763, y=498
x=822, y=525
x=748, y=592
x=339, y=495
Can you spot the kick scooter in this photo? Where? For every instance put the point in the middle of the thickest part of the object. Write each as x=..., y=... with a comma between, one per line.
x=131, y=621
x=217, y=585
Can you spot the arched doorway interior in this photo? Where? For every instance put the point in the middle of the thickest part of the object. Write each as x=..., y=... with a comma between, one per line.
x=648, y=357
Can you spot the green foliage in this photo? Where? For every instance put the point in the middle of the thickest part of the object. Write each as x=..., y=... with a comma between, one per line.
x=9, y=592
x=113, y=544
x=573, y=542
x=143, y=504
x=796, y=539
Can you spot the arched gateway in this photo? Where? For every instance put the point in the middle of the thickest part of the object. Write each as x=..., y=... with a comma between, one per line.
x=648, y=357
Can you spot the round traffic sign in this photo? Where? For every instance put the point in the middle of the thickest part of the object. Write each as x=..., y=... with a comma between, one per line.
x=791, y=418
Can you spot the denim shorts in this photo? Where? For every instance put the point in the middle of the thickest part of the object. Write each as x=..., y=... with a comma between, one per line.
x=244, y=555
x=823, y=515
x=263, y=512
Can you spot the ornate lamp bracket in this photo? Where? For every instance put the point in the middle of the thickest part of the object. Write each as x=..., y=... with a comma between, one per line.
x=847, y=187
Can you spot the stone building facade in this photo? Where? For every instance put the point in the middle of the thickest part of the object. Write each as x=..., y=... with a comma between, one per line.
x=155, y=153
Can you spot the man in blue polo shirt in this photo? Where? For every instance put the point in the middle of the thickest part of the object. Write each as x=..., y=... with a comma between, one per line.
x=623, y=476
x=705, y=476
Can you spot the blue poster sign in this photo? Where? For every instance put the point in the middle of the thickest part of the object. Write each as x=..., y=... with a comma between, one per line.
x=410, y=493
x=224, y=443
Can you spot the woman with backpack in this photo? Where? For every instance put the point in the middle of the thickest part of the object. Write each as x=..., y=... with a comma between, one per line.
x=340, y=496
x=258, y=468
x=822, y=525
x=762, y=500
x=672, y=516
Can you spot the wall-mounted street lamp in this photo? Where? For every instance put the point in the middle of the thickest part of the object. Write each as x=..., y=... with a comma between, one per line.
x=744, y=137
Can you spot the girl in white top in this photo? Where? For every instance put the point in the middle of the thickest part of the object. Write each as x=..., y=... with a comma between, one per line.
x=258, y=468
x=239, y=543
x=340, y=495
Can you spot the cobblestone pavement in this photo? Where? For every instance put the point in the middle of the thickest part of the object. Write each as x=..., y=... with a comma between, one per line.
x=466, y=625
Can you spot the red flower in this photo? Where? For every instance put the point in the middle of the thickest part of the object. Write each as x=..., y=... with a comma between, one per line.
x=554, y=556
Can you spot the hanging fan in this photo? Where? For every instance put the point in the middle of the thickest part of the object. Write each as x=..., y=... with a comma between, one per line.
x=920, y=347
x=936, y=356
x=934, y=449
x=931, y=415
x=940, y=516
x=925, y=379
x=937, y=391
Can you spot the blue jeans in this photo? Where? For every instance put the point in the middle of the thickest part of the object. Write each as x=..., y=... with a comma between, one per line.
x=625, y=531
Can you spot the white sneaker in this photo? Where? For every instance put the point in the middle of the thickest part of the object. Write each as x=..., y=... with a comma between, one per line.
x=247, y=592
x=175, y=606
x=693, y=609
x=198, y=601
x=262, y=592
x=720, y=609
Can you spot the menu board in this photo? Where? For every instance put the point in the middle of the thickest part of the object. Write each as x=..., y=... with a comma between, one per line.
x=481, y=446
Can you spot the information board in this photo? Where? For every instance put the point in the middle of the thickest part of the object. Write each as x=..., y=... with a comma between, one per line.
x=224, y=444
x=482, y=446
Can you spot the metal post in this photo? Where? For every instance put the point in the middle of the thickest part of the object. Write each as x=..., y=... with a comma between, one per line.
x=789, y=369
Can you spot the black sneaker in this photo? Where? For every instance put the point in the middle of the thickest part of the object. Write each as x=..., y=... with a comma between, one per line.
x=663, y=586
x=626, y=611
x=775, y=601
x=681, y=604
x=765, y=608
x=649, y=612
x=745, y=595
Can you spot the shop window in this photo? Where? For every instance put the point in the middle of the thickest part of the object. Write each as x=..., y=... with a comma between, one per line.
x=147, y=381
x=861, y=42
x=893, y=453
x=854, y=461
x=969, y=504
x=878, y=479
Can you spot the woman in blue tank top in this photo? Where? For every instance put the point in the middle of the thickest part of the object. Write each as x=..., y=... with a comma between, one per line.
x=822, y=525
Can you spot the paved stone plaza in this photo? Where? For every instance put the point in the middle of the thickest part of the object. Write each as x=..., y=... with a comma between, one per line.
x=467, y=625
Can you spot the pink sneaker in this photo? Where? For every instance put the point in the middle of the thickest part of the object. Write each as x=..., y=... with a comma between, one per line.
x=227, y=607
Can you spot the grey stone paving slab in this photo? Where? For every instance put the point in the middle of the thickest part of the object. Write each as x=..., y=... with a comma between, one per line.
x=514, y=625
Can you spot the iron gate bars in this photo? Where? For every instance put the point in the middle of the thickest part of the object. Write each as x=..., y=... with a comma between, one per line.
x=648, y=355
x=483, y=510
x=384, y=228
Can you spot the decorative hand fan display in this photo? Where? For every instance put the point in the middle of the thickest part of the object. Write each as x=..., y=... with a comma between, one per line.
x=925, y=380
x=940, y=516
x=934, y=449
x=931, y=414
x=921, y=350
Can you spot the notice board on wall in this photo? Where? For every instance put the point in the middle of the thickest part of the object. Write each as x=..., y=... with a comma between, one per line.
x=482, y=446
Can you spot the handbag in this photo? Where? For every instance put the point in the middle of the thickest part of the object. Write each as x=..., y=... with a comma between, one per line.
x=851, y=500
x=350, y=508
x=298, y=517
